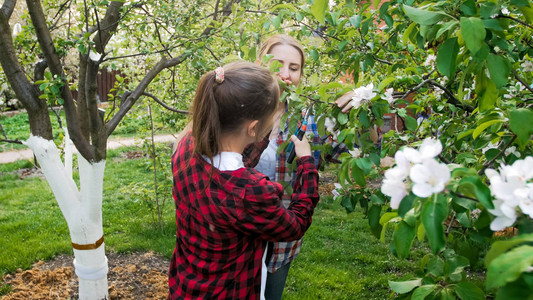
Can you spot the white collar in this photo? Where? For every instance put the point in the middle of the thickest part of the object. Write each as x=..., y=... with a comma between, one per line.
x=227, y=161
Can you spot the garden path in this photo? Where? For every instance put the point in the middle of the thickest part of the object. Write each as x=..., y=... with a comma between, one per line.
x=113, y=143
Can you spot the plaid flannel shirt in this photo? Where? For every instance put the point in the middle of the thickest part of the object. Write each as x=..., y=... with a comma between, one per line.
x=285, y=252
x=225, y=218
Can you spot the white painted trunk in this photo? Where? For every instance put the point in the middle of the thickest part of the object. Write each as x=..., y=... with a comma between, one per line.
x=82, y=210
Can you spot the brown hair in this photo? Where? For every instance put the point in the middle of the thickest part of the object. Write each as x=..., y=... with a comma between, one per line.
x=248, y=92
x=281, y=39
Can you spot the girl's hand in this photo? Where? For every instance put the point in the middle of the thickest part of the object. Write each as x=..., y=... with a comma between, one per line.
x=302, y=147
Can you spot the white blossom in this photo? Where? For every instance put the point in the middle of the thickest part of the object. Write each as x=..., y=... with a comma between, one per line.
x=355, y=152
x=94, y=56
x=388, y=95
x=430, y=61
x=513, y=189
x=329, y=124
x=430, y=148
x=489, y=146
x=505, y=11
x=505, y=216
x=17, y=29
x=362, y=95
x=394, y=186
x=429, y=177
x=527, y=66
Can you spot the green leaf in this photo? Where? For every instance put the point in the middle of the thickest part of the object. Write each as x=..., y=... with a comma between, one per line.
x=509, y=266
x=473, y=32
x=487, y=92
x=474, y=187
x=385, y=82
x=403, y=287
x=469, y=291
x=358, y=174
x=515, y=290
x=266, y=59
x=500, y=247
x=373, y=219
x=520, y=3
x=423, y=17
x=421, y=292
x=355, y=20
x=410, y=123
x=446, y=57
x=403, y=237
x=435, y=266
x=318, y=10
x=454, y=266
x=521, y=121
x=320, y=125
x=342, y=118
x=499, y=69
x=433, y=214
x=464, y=134
x=484, y=126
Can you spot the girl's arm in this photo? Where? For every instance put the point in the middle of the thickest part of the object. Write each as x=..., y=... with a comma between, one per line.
x=252, y=153
x=264, y=215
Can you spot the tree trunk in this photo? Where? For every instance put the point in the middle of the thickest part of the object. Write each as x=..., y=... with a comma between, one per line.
x=82, y=210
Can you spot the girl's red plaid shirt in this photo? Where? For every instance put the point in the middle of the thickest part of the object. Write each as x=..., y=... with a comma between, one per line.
x=225, y=218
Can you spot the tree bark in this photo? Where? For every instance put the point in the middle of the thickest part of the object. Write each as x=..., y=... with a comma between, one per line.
x=26, y=92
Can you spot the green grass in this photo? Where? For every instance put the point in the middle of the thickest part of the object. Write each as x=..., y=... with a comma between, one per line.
x=136, y=124
x=33, y=228
x=340, y=259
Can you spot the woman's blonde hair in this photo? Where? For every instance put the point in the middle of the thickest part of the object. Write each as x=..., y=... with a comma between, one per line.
x=281, y=39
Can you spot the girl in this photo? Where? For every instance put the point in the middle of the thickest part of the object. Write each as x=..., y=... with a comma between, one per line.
x=226, y=211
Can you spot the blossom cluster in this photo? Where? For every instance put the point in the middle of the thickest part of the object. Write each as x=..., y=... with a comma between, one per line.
x=512, y=187
x=363, y=95
x=419, y=168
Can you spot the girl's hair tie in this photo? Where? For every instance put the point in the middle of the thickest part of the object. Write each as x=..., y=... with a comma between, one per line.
x=219, y=75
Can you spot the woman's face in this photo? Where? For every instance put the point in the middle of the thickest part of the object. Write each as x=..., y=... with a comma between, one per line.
x=290, y=58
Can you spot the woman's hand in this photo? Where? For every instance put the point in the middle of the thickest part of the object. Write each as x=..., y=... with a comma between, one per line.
x=344, y=101
x=302, y=148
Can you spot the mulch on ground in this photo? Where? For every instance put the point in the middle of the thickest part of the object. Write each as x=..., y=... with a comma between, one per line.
x=131, y=276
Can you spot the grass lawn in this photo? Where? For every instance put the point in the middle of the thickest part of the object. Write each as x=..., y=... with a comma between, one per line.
x=17, y=127
x=340, y=259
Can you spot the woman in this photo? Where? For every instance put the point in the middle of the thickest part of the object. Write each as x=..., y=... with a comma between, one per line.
x=289, y=52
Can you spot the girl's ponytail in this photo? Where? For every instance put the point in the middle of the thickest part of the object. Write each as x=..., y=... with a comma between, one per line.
x=229, y=96
x=206, y=121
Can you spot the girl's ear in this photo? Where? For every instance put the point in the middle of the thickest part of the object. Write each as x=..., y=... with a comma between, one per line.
x=252, y=128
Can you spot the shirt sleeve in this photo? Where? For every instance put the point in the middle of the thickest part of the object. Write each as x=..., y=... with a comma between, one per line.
x=264, y=215
x=252, y=152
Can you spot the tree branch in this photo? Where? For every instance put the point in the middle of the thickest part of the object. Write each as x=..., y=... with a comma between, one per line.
x=38, y=71
x=514, y=19
x=8, y=7
x=54, y=64
x=490, y=162
x=26, y=92
x=164, y=105
x=129, y=99
x=451, y=97
x=108, y=25
x=521, y=80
